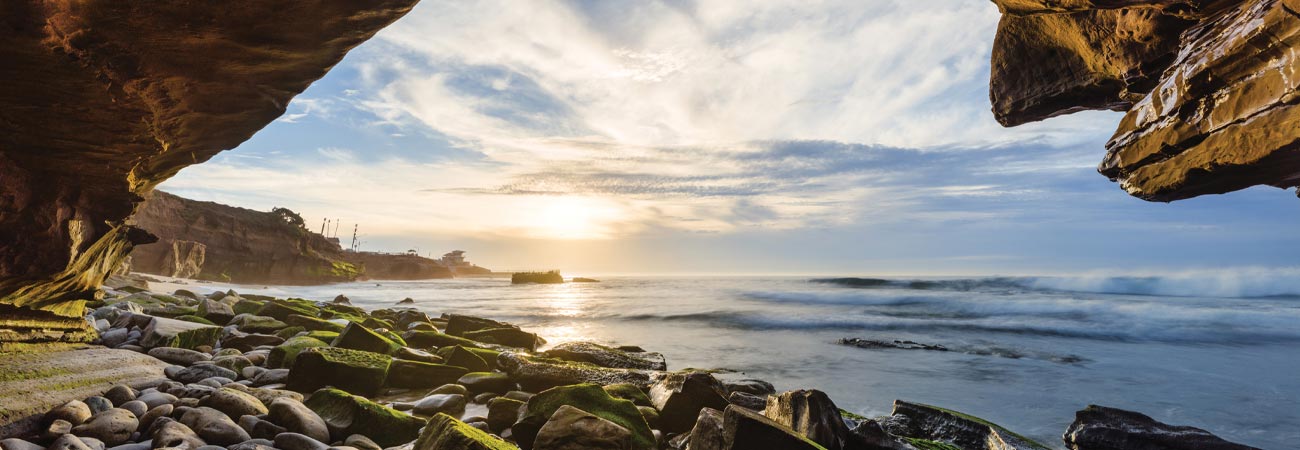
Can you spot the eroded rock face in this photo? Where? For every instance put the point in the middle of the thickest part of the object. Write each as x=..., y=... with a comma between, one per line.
x=1102, y=428
x=1209, y=86
x=104, y=100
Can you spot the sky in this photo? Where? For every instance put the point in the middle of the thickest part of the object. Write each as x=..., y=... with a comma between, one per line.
x=713, y=137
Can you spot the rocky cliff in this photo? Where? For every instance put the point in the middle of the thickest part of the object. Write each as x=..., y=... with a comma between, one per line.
x=1208, y=86
x=212, y=241
x=103, y=100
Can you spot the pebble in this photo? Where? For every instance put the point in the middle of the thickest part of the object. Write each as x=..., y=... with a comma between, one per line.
x=156, y=399
x=120, y=394
x=297, y=418
x=235, y=403
x=253, y=444
x=260, y=428
x=98, y=404
x=113, y=426
x=180, y=356
x=295, y=441
x=137, y=408
x=361, y=442
x=57, y=428
x=450, y=404
x=213, y=426
x=68, y=442
x=147, y=420
x=169, y=433
x=74, y=412
x=197, y=373
x=18, y=444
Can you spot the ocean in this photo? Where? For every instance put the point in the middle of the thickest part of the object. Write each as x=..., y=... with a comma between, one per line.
x=1217, y=353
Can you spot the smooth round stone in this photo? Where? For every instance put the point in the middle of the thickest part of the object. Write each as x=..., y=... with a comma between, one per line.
x=519, y=395
x=113, y=426
x=295, y=441
x=137, y=408
x=120, y=394
x=18, y=444
x=213, y=382
x=485, y=397
x=94, y=444
x=147, y=420
x=68, y=442
x=361, y=442
x=146, y=445
x=180, y=356
x=213, y=426
x=260, y=428
x=235, y=403
x=169, y=433
x=450, y=404
x=450, y=389
x=74, y=412
x=273, y=376
x=252, y=372
x=236, y=363
x=114, y=337
x=56, y=428
x=98, y=404
x=297, y=418
x=156, y=399
x=253, y=444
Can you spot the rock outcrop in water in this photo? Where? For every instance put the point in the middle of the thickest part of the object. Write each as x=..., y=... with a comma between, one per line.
x=1209, y=86
x=212, y=241
x=103, y=100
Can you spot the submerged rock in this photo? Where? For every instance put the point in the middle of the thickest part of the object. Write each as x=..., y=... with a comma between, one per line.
x=1102, y=428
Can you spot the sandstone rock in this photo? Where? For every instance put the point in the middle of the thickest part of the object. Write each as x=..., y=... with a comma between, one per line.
x=461, y=357
x=352, y=370
x=178, y=356
x=298, y=418
x=164, y=332
x=74, y=412
x=680, y=396
x=707, y=434
x=747, y=400
x=503, y=412
x=168, y=433
x=812, y=414
x=537, y=374
x=574, y=429
x=586, y=397
x=606, y=356
x=347, y=414
x=446, y=433
x=234, y=403
x=113, y=426
x=745, y=429
x=214, y=426
x=630, y=392
x=412, y=374
x=449, y=404
x=917, y=421
x=749, y=386
x=1102, y=428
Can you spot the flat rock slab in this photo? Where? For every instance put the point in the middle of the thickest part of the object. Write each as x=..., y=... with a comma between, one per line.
x=31, y=383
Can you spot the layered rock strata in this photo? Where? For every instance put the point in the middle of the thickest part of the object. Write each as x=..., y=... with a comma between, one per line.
x=1208, y=86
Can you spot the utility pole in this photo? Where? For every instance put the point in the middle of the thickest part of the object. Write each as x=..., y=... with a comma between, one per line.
x=336, y=228
x=354, y=237
x=322, y=225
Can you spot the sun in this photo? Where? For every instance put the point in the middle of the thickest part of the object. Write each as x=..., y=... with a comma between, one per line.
x=575, y=218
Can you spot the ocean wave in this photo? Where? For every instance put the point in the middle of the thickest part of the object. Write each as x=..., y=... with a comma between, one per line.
x=1222, y=283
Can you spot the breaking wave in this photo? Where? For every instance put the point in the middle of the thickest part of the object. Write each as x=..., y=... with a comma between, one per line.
x=1227, y=283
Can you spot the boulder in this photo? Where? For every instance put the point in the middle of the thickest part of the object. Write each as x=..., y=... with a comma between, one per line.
x=295, y=441
x=708, y=433
x=113, y=426
x=248, y=341
x=812, y=414
x=460, y=356
x=153, y=414
x=413, y=374
x=164, y=332
x=630, y=392
x=480, y=382
x=749, y=386
x=604, y=356
x=168, y=433
x=537, y=374
x=507, y=336
x=415, y=354
x=574, y=429
x=200, y=372
x=586, y=397
x=502, y=413
x=236, y=363
x=285, y=354
x=680, y=396
x=18, y=444
x=925, y=422
x=216, y=311
x=450, y=404
x=234, y=403
x=1102, y=428
x=257, y=324
x=446, y=433
x=136, y=407
x=458, y=325
x=74, y=412
x=156, y=399
x=98, y=404
x=352, y=370
x=261, y=428
x=357, y=337
x=119, y=394
x=361, y=442
x=743, y=429
x=213, y=426
x=178, y=356
x=68, y=442
x=313, y=324
x=296, y=417
x=747, y=400
x=347, y=414
x=281, y=309
x=428, y=339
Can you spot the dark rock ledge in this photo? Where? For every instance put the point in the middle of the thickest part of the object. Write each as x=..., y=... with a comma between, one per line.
x=245, y=372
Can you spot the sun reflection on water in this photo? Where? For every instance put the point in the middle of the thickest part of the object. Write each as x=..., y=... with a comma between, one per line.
x=562, y=304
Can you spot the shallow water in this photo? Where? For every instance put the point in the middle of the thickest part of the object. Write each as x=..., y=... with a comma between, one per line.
x=1023, y=352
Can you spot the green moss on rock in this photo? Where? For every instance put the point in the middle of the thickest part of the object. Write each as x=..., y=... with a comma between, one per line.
x=282, y=309
x=357, y=337
x=925, y=444
x=246, y=306
x=285, y=354
x=348, y=414
x=289, y=332
x=444, y=432
x=196, y=319
x=312, y=323
x=324, y=336
x=460, y=356
x=416, y=374
x=587, y=397
x=630, y=392
x=356, y=371
x=428, y=339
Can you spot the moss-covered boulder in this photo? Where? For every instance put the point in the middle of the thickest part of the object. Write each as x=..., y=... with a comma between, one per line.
x=246, y=306
x=285, y=354
x=164, y=332
x=458, y=325
x=537, y=374
x=196, y=319
x=415, y=374
x=324, y=336
x=393, y=337
x=334, y=310
x=587, y=397
x=630, y=392
x=604, y=356
x=356, y=336
x=375, y=322
x=460, y=356
x=356, y=371
x=288, y=332
x=444, y=432
x=480, y=382
x=932, y=423
x=347, y=414
x=282, y=309
x=312, y=323
x=431, y=339
x=249, y=323
x=507, y=336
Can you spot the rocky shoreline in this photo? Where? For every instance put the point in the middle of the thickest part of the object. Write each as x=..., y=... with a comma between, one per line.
x=249, y=372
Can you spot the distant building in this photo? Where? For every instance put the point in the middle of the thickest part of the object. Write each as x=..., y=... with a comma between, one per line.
x=455, y=261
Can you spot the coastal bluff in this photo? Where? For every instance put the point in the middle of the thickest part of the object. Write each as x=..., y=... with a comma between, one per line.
x=212, y=241
x=103, y=100
x=1208, y=87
